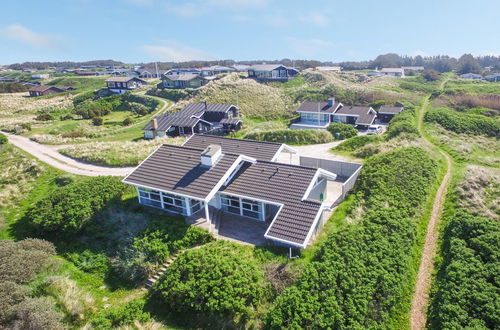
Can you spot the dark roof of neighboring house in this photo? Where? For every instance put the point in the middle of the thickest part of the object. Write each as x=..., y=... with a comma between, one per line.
x=268, y=67
x=188, y=116
x=123, y=79
x=365, y=115
x=390, y=110
x=257, y=149
x=43, y=88
x=284, y=184
x=179, y=170
x=218, y=68
x=312, y=106
x=185, y=76
x=230, y=121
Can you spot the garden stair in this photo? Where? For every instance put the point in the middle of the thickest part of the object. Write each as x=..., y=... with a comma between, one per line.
x=163, y=269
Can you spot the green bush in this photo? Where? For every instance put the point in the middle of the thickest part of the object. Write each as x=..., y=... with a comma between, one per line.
x=97, y=121
x=149, y=103
x=289, y=136
x=163, y=237
x=3, y=139
x=127, y=121
x=67, y=210
x=121, y=316
x=361, y=273
x=467, y=288
x=404, y=122
x=84, y=97
x=171, y=94
x=21, y=261
x=342, y=131
x=90, y=262
x=12, y=87
x=464, y=122
x=63, y=180
x=138, y=108
x=221, y=279
x=356, y=142
x=44, y=117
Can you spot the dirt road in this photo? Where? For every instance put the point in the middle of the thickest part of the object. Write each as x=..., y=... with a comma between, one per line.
x=64, y=163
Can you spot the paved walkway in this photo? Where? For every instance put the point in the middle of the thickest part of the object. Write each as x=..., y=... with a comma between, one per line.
x=62, y=162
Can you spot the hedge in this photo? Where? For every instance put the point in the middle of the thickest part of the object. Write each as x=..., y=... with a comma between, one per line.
x=404, y=122
x=68, y=209
x=467, y=289
x=361, y=274
x=342, y=131
x=467, y=123
x=289, y=136
x=356, y=142
x=221, y=279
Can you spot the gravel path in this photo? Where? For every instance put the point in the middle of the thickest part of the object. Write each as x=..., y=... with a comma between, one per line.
x=62, y=162
x=420, y=302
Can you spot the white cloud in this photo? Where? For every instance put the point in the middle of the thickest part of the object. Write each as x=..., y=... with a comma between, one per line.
x=20, y=33
x=315, y=18
x=188, y=9
x=277, y=19
x=175, y=51
x=311, y=48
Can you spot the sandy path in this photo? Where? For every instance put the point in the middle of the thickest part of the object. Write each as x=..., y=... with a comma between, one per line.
x=62, y=162
x=420, y=301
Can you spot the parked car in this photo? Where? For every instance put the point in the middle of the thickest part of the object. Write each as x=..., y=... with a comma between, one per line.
x=374, y=130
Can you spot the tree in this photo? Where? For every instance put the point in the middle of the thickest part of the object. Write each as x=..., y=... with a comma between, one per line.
x=390, y=60
x=468, y=64
x=430, y=75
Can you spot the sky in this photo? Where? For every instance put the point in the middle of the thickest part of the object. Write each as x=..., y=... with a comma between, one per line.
x=135, y=31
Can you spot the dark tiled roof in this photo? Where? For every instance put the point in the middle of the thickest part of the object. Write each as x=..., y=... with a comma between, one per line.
x=312, y=106
x=188, y=116
x=178, y=170
x=230, y=121
x=183, y=76
x=123, y=79
x=43, y=88
x=386, y=109
x=365, y=115
x=279, y=183
x=256, y=149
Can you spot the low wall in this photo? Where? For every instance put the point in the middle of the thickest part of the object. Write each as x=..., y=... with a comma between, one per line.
x=346, y=172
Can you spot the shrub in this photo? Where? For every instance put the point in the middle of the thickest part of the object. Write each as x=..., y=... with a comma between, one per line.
x=289, y=136
x=161, y=238
x=356, y=142
x=21, y=261
x=90, y=262
x=84, y=97
x=148, y=104
x=342, y=131
x=63, y=180
x=221, y=279
x=67, y=210
x=404, y=122
x=466, y=294
x=127, y=121
x=138, y=108
x=362, y=272
x=121, y=315
x=37, y=314
x=11, y=294
x=430, y=75
x=171, y=94
x=464, y=122
x=3, y=139
x=12, y=87
x=44, y=116
x=97, y=121
x=130, y=265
